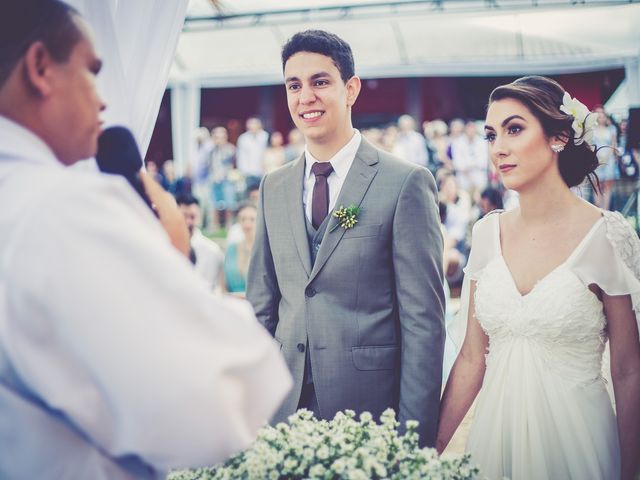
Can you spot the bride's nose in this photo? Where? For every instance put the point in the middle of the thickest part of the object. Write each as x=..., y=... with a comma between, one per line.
x=500, y=147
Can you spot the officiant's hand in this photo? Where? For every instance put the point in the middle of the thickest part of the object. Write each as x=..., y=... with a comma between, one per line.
x=170, y=216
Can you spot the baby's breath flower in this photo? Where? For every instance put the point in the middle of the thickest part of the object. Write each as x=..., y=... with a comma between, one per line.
x=339, y=466
x=317, y=471
x=347, y=447
x=357, y=474
x=366, y=417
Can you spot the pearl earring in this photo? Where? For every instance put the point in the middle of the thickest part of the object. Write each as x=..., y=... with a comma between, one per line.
x=557, y=148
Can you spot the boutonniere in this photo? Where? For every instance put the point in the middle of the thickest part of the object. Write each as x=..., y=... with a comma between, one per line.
x=347, y=217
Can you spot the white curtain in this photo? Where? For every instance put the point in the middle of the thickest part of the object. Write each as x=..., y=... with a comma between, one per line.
x=136, y=40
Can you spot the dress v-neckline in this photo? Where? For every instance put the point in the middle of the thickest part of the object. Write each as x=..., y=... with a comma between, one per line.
x=571, y=256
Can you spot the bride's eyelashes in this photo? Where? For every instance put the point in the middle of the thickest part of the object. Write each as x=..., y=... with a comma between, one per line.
x=489, y=135
x=511, y=129
x=514, y=129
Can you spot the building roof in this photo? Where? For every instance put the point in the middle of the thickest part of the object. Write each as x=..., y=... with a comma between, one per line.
x=241, y=45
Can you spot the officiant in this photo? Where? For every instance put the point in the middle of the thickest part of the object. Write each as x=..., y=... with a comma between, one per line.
x=116, y=361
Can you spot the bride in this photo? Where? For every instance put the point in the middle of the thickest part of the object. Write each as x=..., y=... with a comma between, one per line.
x=546, y=286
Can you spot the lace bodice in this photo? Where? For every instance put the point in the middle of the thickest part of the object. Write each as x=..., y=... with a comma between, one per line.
x=560, y=317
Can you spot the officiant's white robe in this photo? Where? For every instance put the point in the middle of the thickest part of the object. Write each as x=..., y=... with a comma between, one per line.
x=115, y=359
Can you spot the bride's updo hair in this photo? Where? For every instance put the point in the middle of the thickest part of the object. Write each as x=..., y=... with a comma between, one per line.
x=543, y=97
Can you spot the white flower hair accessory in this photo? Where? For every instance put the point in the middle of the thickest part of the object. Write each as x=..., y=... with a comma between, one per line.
x=583, y=120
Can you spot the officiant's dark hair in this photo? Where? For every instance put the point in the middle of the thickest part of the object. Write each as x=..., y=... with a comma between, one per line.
x=543, y=97
x=24, y=22
x=324, y=43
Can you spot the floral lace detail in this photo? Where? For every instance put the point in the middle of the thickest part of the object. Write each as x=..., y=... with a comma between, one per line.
x=626, y=246
x=560, y=322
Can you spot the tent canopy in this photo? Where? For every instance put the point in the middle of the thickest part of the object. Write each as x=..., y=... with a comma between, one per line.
x=416, y=38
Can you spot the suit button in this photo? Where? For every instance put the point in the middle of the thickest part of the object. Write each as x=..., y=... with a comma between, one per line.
x=301, y=347
x=309, y=292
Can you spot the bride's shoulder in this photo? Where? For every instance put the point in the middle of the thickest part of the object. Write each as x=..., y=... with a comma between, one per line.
x=488, y=219
x=617, y=225
x=486, y=227
x=623, y=238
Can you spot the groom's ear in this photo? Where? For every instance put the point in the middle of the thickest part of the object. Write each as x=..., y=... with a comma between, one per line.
x=353, y=90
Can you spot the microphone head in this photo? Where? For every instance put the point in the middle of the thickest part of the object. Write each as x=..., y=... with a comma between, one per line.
x=118, y=152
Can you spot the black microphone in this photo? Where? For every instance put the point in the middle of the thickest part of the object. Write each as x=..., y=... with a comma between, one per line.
x=118, y=154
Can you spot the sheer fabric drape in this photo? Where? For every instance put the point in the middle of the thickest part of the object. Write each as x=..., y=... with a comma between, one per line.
x=137, y=41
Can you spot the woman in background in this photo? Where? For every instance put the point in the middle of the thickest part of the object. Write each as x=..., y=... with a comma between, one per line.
x=236, y=261
x=604, y=138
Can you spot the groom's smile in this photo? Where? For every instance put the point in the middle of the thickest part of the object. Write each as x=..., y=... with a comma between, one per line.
x=312, y=115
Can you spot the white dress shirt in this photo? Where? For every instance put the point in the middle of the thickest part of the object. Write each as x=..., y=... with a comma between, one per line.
x=209, y=258
x=116, y=360
x=250, y=152
x=341, y=163
x=471, y=162
x=412, y=147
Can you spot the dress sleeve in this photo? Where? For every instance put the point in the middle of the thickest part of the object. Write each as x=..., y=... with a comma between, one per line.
x=484, y=248
x=116, y=331
x=612, y=260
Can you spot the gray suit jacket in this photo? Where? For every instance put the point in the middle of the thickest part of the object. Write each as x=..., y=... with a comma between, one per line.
x=372, y=306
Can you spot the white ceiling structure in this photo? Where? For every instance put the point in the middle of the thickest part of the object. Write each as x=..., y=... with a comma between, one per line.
x=240, y=46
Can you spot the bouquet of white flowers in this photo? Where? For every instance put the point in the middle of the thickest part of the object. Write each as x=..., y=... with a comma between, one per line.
x=343, y=448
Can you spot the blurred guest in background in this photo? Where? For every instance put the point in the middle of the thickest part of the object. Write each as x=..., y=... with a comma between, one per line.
x=435, y=133
x=251, y=148
x=173, y=184
x=604, y=137
x=456, y=129
x=208, y=255
x=274, y=156
x=236, y=261
x=295, y=145
x=470, y=158
x=222, y=191
x=490, y=200
x=458, y=205
x=410, y=145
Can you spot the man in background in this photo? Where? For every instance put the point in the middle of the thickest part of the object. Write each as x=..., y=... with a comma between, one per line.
x=209, y=257
x=470, y=158
x=410, y=144
x=116, y=361
x=251, y=148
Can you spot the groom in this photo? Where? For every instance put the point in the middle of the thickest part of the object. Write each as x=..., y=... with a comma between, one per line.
x=357, y=311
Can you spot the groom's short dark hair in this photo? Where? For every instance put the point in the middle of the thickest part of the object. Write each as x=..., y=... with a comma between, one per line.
x=324, y=43
x=24, y=22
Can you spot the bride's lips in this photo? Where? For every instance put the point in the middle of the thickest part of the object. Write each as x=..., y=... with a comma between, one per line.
x=506, y=167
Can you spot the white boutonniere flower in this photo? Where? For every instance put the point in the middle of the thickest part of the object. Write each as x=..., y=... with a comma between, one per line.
x=583, y=120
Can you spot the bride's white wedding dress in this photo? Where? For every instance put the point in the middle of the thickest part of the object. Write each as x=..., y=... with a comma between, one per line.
x=543, y=411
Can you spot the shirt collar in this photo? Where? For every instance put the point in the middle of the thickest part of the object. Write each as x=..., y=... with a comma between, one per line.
x=341, y=161
x=18, y=142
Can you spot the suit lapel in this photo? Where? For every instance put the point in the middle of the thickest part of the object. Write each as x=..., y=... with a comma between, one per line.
x=296, y=213
x=353, y=191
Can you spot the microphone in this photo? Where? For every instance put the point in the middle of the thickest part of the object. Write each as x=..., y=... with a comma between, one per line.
x=118, y=154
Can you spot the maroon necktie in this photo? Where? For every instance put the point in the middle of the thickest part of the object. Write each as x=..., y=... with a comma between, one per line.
x=320, y=203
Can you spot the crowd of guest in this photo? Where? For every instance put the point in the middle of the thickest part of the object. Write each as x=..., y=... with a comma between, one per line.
x=220, y=188
x=457, y=155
